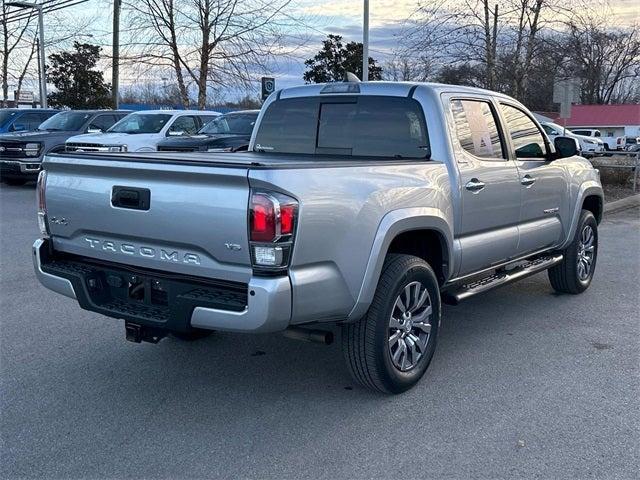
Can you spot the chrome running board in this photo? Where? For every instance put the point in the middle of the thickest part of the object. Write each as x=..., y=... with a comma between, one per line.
x=453, y=294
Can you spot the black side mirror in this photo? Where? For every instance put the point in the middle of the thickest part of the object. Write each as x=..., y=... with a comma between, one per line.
x=566, y=147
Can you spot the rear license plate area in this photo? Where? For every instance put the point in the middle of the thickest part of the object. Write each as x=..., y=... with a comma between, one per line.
x=140, y=289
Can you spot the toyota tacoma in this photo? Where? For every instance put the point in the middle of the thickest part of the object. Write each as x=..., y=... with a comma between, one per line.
x=362, y=205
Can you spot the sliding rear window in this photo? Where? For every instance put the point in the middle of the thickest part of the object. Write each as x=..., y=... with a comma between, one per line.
x=365, y=126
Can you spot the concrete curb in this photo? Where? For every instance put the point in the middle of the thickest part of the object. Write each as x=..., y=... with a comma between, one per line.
x=624, y=204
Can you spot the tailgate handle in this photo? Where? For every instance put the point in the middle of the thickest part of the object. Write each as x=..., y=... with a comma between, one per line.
x=131, y=197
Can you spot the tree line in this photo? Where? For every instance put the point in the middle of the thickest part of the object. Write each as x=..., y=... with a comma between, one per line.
x=201, y=48
x=518, y=47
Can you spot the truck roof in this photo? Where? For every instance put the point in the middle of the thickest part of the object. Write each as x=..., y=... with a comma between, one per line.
x=399, y=89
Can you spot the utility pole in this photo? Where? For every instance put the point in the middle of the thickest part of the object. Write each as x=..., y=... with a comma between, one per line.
x=365, y=43
x=115, y=72
x=43, y=73
x=41, y=66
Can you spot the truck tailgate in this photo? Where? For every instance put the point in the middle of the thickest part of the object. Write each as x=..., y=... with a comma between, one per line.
x=195, y=222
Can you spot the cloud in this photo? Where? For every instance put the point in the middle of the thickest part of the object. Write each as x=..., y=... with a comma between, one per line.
x=380, y=11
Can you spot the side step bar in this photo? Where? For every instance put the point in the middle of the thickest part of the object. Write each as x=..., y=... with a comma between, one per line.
x=455, y=294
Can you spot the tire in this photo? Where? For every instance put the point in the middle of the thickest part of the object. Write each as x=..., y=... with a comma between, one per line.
x=192, y=335
x=371, y=353
x=569, y=276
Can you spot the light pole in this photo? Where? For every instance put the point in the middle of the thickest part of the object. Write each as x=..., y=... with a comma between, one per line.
x=365, y=43
x=43, y=79
x=115, y=68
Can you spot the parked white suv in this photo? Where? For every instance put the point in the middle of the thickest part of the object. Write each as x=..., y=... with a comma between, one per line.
x=141, y=131
x=590, y=146
x=610, y=143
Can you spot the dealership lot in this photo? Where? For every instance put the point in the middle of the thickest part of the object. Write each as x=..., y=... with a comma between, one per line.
x=524, y=384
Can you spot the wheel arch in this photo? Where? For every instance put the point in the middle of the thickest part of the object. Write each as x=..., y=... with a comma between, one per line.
x=400, y=232
x=591, y=197
x=594, y=203
x=426, y=243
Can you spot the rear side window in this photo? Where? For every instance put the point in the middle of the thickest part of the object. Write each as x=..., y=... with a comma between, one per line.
x=476, y=128
x=367, y=126
x=526, y=138
x=289, y=126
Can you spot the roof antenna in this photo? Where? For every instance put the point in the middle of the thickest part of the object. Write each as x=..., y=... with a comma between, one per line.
x=350, y=78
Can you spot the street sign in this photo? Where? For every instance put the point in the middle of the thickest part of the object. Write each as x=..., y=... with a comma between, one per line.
x=25, y=96
x=566, y=92
x=268, y=86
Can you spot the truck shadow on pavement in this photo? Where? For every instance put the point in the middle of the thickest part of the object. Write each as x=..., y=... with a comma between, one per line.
x=226, y=368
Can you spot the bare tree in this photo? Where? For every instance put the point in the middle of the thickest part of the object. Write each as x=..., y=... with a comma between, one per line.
x=25, y=68
x=606, y=60
x=404, y=68
x=14, y=35
x=18, y=43
x=529, y=19
x=207, y=43
x=453, y=32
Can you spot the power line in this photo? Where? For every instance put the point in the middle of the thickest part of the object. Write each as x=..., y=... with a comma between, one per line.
x=47, y=6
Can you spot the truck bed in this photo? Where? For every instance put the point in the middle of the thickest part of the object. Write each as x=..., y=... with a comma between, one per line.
x=254, y=160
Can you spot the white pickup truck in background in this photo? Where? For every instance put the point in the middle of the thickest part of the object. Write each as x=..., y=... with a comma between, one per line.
x=610, y=143
x=590, y=146
x=142, y=131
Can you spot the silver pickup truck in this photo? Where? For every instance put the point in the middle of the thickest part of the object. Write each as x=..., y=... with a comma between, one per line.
x=362, y=205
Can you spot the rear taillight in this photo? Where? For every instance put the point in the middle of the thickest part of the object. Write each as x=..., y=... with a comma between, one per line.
x=272, y=224
x=42, y=203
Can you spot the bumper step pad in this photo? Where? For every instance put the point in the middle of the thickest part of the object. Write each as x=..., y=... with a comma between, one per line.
x=144, y=297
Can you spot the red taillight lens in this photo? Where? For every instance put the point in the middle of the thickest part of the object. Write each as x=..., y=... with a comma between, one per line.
x=263, y=218
x=287, y=219
x=272, y=225
x=272, y=217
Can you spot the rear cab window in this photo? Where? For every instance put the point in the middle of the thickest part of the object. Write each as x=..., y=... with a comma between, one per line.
x=354, y=126
x=477, y=128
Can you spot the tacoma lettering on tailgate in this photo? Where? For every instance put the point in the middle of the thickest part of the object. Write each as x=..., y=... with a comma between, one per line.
x=143, y=251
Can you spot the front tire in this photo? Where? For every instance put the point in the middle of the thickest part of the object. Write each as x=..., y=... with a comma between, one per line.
x=390, y=348
x=575, y=273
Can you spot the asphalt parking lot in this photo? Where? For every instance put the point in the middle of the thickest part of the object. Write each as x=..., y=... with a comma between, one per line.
x=524, y=383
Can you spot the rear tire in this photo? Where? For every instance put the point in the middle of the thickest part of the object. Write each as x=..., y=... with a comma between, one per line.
x=575, y=273
x=390, y=348
x=192, y=335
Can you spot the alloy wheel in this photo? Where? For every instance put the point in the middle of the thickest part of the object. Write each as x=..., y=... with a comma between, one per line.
x=586, y=252
x=410, y=326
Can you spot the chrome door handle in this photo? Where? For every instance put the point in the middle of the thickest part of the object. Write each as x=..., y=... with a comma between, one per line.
x=474, y=185
x=528, y=180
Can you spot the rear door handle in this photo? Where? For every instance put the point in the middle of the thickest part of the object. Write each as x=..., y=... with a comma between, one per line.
x=528, y=180
x=474, y=185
